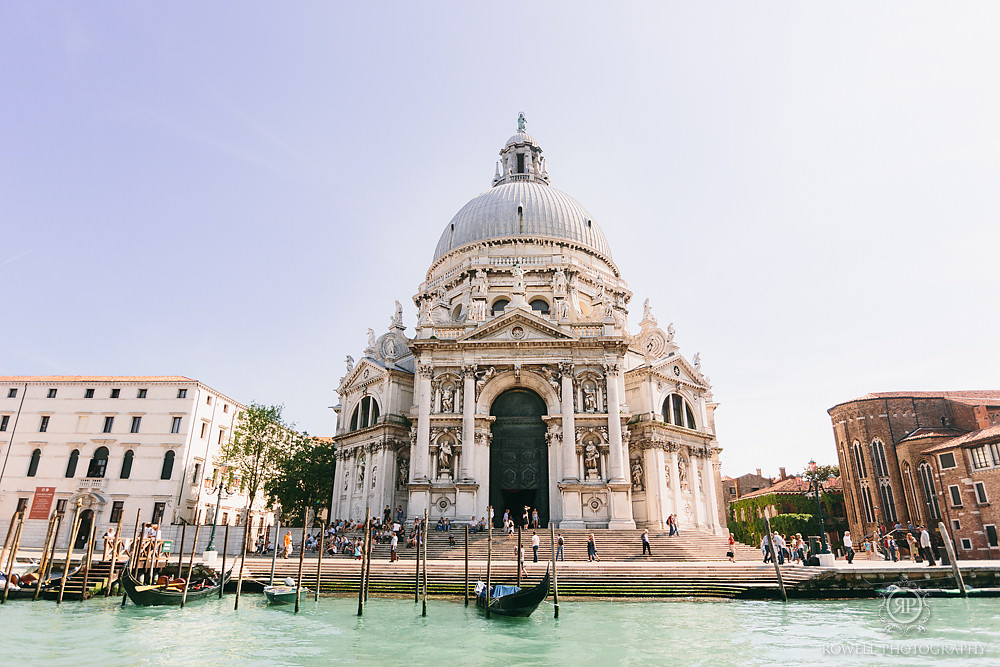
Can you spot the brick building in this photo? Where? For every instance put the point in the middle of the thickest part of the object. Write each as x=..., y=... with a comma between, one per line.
x=921, y=458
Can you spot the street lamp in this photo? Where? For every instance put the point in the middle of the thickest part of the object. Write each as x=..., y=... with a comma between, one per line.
x=814, y=482
x=219, y=489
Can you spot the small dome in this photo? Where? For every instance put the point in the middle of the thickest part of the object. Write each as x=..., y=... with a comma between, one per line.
x=521, y=137
x=545, y=213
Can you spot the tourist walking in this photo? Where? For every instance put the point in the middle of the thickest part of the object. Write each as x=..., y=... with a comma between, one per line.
x=765, y=547
x=559, y=548
x=848, y=547
x=534, y=518
x=534, y=546
x=287, y=545
x=592, y=549
x=731, y=554
x=393, y=546
x=911, y=545
x=925, y=545
x=645, y=543
x=519, y=555
x=524, y=517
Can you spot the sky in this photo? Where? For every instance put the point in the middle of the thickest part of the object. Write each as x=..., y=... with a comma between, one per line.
x=236, y=191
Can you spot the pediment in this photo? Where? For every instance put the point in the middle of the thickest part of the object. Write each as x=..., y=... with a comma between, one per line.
x=517, y=326
x=364, y=372
x=678, y=369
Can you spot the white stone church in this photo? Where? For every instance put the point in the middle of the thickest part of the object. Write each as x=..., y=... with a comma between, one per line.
x=523, y=385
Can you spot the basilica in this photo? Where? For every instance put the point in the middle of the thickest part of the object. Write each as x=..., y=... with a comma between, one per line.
x=523, y=384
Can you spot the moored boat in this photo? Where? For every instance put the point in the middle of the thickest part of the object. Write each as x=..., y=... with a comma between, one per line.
x=511, y=600
x=170, y=592
x=284, y=594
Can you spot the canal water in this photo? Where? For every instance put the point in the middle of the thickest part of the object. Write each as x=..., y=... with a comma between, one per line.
x=392, y=632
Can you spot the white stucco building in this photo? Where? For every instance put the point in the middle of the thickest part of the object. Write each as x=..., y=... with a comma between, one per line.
x=523, y=383
x=119, y=444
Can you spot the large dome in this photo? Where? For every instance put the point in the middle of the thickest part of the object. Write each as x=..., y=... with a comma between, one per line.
x=518, y=209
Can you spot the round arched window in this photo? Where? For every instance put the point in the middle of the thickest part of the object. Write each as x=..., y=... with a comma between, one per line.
x=540, y=306
x=499, y=305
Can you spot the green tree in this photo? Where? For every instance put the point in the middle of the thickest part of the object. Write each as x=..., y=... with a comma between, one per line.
x=260, y=441
x=304, y=478
x=821, y=473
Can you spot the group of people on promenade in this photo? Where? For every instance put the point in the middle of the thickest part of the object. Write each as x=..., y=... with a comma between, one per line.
x=886, y=544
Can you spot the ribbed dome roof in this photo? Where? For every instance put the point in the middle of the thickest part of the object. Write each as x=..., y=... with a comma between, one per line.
x=521, y=137
x=545, y=212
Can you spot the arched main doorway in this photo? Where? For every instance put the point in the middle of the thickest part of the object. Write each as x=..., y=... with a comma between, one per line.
x=519, y=467
x=83, y=533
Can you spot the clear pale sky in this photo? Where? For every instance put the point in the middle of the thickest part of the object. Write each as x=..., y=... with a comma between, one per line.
x=236, y=191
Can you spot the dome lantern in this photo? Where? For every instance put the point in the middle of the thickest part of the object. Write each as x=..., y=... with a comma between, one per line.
x=521, y=159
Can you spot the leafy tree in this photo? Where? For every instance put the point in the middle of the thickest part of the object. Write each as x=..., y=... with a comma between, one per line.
x=259, y=444
x=821, y=473
x=304, y=479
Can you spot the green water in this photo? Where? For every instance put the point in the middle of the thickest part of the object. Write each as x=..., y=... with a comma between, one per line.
x=392, y=632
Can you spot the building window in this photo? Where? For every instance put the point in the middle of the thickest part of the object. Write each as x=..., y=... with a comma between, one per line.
x=61, y=506
x=866, y=501
x=540, y=306
x=12, y=392
x=141, y=393
x=168, y=465
x=98, y=463
x=22, y=505
x=117, y=509
x=980, y=459
x=981, y=493
x=175, y=425
x=33, y=464
x=956, y=496
x=136, y=422
x=182, y=393
x=127, y=464
x=115, y=393
x=88, y=393
x=966, y=543
x=888, y=501
x=52, y=393
x=108, y=423
x=222, y=433
x=930, y=495
x=956, y=524
x=947, y=460
x=43, y=426
x=208, y=400
x=878, y=456
x=74, y=457
x=499, y=305
x=991, y=535
x=197, y=472
x=365, y=413
x=158, y=510
x=204, y=428
x=677, y=411
x=225, y=407
x=3, y=422
x=859, y=460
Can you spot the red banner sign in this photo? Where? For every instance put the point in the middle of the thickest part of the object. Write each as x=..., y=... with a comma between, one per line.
x=42, y=504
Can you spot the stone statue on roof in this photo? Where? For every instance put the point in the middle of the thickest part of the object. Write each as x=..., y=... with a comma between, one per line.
x=521, y=122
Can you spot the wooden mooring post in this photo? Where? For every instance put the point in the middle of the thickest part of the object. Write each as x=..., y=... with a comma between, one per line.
x=364, y=556
x=517, y=556
x=555, y=579
x=274, y=552
x=416, y=577
x=222, y=568
x=489, y=562
x=180, y=553
x=302, y=557
x=368, y=563
x=426, y=540
x=950, y=548
x=774, y=559
x=465, y=590
x=69, y=550
x=9, y=538
x=13, y=555
x=133, y=552
x=247, y=526
x=319, y=563
x=114, y=554
x=187, y=579
x=44, y=560
x=89, y=560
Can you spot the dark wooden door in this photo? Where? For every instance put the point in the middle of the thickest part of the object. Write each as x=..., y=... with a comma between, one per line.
x=518, y=455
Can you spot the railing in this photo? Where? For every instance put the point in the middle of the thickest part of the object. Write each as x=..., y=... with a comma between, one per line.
x=449, y=333
x=92, y=483
x=588, y=330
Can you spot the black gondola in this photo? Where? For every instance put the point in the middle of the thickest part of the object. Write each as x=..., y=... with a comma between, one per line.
x=166, y=594
x=27, y=591
x=511, y=600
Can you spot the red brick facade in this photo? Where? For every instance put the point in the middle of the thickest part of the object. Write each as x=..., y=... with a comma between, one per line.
x=921, y=458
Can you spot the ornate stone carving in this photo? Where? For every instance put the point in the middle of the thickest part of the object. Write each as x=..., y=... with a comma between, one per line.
x=403, y=475
x=350, y=363
x=589, y=399
x=484, y=376
x=396, y=321
x=413, y=436
x=553, y=437
x=518, y=273
x=637, y=478
x=670, y=332
x=559, y=285
x=682, y=470
x=423, y=370
x=591, y=460
x=666, y=472
x=477, y=311
x=444, y=456
x=611, y=369
x=447, y=399
x=553, y=379
x=697, y=361
x=479, y=285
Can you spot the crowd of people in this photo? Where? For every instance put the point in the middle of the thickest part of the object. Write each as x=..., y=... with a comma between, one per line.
x=883, y=544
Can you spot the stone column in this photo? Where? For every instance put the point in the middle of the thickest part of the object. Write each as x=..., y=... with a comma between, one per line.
x=338, y=489
x=570, y=468
x=615, y=454
x=711, y=499
x=675, y=482
x=698, y=515
x=468, y=423
x=655, y=475
x=420, y=460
